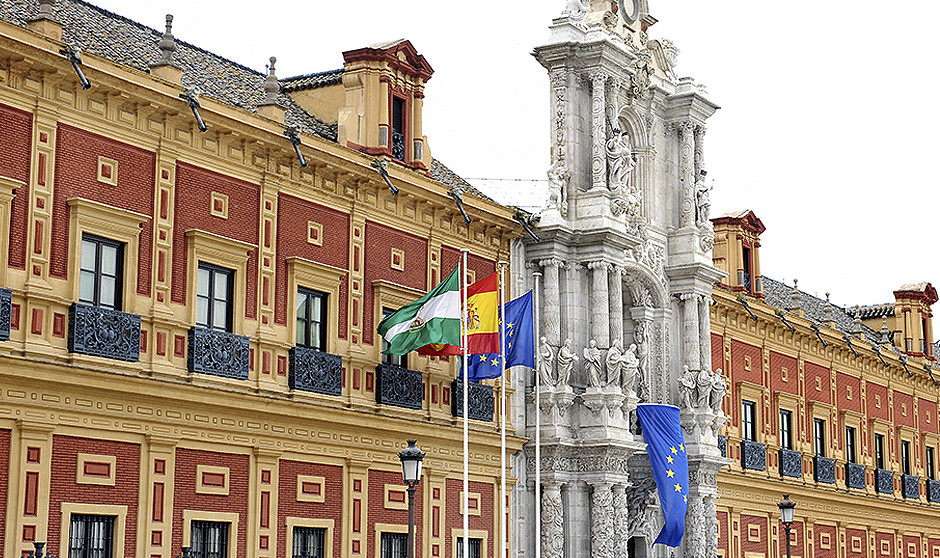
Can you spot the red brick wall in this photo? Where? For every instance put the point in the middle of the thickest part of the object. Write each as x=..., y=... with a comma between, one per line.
x=797, y=542
x=76, y=175
x=863, y=549
x=724, y=542
x=820, y=534
x=933, y=548
x=876, y=397
x=812, y=372
x=450, y=257
x=288, y=506
x=4, y=480
x=846, y=386
x=748, y=545
x=928, y=416
x=293, y=215
x=880, y=540
x=185, y=497
x=194, y=187
x=63, y=486
x=379, y=514
x=15, y=152
x=718, y=353
x=482, y=522
x=740, y=350
x=777, y=383
x=378, y=244
x=910, y=546
x=903, y=409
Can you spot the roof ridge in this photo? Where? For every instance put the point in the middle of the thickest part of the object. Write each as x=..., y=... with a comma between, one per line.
x=312, y=74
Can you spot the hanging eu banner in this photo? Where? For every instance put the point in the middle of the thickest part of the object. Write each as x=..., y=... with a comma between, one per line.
x=520, y=345
x=666, y=448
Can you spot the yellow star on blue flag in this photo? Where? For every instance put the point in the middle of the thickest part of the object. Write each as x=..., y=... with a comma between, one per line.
x=663, y=435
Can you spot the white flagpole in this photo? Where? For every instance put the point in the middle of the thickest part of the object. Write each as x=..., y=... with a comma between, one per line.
x=504, y=533
x=466, y=420
x=538, y=426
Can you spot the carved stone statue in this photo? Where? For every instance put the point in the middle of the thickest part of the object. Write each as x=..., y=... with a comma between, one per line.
x=575, y=9
x=546, y=362
x=719, y=387
x=703, y=202
x=631, y=367
x=687, y=388
x=566, y=360
x=592, y=363
x=614, y=362
x=620, y=160
x=558, y=187
x=703, y=387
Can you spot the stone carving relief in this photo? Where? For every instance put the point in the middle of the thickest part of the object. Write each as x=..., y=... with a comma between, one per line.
x=592, y=364
x=695, y=529
x=639, y=499
x=702, y=390
x=642, y=73
x=576, y=9
x=602, y=522
x=566, y=360
x=666, y=55
x=558, y=187
x=553, y=535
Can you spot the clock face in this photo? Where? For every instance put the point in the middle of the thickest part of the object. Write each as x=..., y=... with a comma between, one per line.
x=629, y=10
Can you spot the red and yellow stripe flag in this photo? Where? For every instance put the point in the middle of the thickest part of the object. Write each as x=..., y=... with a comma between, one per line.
x=482, y=322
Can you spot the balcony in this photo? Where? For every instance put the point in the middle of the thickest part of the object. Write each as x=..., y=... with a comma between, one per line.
x=218, y=353
x=791, y=463
x=884, y=481
x=480, y=404
x=753, y=455
x=824, y=469
x=315, y=371
x=102, y=332
x=933, y=491
x=723, y=445
x=910, y=487
x=854, y=475
x=398, y=386
x=398, y=146
x=6, y=303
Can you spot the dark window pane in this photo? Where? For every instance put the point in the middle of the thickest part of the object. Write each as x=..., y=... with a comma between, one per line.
x=748, y=430
x=394, y=545
x=786, y=439
x=475, y=545
x=905, y=457
x=311, y=318
x=100, y=275
x=398, y=360
x=308, y=542
x=931, y=472
x=850, y=444
x=879, y=451
x=91, y=536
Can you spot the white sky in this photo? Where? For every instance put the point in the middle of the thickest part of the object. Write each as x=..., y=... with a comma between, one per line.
x=829, y=128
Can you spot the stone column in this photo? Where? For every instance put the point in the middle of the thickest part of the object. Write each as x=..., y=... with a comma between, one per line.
x=704, y=331
x=690, y=332
x=598, y=131
x=602, y=521
x=551, y=302
x=600, y=304
x=553, y=519
x=699, y=157
x=686, y=175
x=559, y=81
x=615, y=290
x=621, y=522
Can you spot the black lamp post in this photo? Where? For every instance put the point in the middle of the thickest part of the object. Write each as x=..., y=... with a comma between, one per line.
x=411, y=459
x=786, y=517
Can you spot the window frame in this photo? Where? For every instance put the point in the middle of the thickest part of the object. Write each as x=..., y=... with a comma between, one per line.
x=851, y=449
x=930, y=463
x=906, y=457
x=189, y=516
x=394, y=360
x=214, y=270
x=474, y=542
x=748, y=420
x=99, y=243
x=65, y=522
x=320, y=277
x=91, y=552
x=398, y=537
x=786, y=429
x=308, y=321
x=878, y=449
x=325, y=524
x=317, y=532
x=819, y=437
x=224, y=252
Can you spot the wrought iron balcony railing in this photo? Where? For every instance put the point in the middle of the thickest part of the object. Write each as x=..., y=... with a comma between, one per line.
x=791, y=463
x=315, y=371
x=480, y=404
x=854, y=475
x=398, y=386
x=398, y=146
x=6, y=306
x=102, y=332
x=753, y=455
x=723, y=445
x=910, y=487
x=933, y=491
x=218, y=353
x=884, y=481
x=824, y=469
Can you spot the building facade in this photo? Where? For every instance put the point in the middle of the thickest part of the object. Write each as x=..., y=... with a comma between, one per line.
x=190, y=289
x=836, y=407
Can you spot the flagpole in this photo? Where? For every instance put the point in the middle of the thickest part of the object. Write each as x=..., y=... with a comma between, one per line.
x=504, y=533
x=538, y=426
x=466, y=412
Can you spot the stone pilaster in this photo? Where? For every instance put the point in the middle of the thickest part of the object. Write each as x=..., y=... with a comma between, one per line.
x=690, y=322
x=615, y=290
x=598, y=131
x=602, y=521
x=551, y=302
x=704, y=331
x=686, y=175
x=600, y=304
x=621, y=522
x=553, y=520
x=699, y=157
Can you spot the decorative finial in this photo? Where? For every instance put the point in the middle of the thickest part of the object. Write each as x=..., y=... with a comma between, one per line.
x=857, y=322
x=794, y=297
x=271, y=85
x=827, y=311
x=167, y=43
x=45, y=8
x=885, y=332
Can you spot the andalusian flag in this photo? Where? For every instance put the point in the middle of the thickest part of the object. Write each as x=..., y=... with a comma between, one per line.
x=433, y=318
x=482, y=321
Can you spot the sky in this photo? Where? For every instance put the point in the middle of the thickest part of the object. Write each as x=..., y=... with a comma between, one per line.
x=829, y=129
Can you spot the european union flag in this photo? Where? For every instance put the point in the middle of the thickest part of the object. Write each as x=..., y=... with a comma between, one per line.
x=520, y=343
x=666, y=448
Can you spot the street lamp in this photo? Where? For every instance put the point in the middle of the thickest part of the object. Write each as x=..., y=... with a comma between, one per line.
x=411, y=459
x=786, y=517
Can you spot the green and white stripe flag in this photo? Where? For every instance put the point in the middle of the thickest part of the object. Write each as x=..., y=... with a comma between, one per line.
x=432, y=319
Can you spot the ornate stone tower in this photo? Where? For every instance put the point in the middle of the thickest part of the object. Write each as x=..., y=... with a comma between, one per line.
x=626, y=280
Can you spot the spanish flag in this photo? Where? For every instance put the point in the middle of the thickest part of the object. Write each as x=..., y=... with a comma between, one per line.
x=481, y=321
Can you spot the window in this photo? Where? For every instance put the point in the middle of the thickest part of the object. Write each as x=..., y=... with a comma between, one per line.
x=786, y=423
x=394, y=545
x=308, y=542
x=91, y=536
x=209, y=539
x=747, y=269
x=880, y=451
x=475, y=545
x=214, y=297
x=850, y=455
x=102, y=267
x=905, y=457
x=819, y=437
x=398, y=128
x=929, y=464
x=311, y=319
x=748, y=430
x=397, y=360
